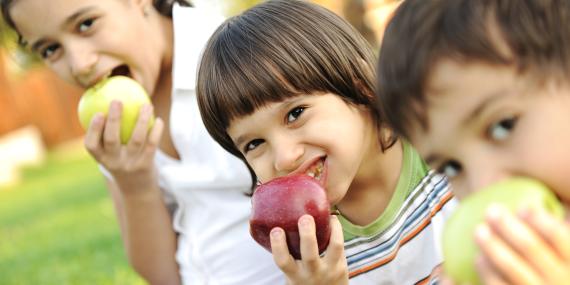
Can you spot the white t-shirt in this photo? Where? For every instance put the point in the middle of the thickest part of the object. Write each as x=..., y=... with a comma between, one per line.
x=205, y=189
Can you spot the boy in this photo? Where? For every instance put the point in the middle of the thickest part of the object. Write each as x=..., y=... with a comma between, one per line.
x=481, y=89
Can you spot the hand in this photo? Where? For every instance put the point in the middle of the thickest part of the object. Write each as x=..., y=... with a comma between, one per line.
x=312, y=269
x=132, y=164
x=530, y=248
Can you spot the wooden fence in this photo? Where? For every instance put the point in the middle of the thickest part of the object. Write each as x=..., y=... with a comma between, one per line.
x=39, y=98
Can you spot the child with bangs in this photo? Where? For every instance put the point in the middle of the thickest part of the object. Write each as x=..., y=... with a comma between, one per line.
x=481, y=89
x=287, y=86
x=178, y=196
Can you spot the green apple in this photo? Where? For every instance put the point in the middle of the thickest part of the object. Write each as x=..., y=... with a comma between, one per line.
x=459, y=248
x=97, y=99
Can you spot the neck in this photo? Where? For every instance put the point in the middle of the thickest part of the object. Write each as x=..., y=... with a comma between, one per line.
x=168, y=55
x=374, y=185
x=163, y=86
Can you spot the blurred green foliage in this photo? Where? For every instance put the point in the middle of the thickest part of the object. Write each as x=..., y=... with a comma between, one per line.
x=59, y=227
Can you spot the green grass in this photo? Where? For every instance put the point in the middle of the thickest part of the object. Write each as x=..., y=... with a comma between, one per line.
x=58, y=227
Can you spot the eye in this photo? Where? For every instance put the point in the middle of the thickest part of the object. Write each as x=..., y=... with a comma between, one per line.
x=294, y=114
x=450, y=168
x=49, y=51
x=85, y=25
x=252, y=145
x=501, y=130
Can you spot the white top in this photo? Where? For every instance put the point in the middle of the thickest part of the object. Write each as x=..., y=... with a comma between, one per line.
x=205, y=189
x=208, y=184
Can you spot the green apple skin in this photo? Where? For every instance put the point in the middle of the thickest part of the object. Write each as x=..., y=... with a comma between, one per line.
x=98, y=98
x=459, y=248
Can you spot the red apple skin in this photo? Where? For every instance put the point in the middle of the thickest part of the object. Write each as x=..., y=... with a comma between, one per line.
x=281, y=202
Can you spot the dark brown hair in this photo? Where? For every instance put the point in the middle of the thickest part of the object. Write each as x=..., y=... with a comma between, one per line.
x=536, y=33
x=280, y=49
x=162, y=6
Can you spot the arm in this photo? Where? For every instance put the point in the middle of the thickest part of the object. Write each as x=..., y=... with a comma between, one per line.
x=332, y=268
x=148, y=237
x=529, y=248
x=145, y=223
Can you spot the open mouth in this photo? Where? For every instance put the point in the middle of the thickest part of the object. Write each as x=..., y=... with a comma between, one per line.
x=121, y=70
x=316, y=170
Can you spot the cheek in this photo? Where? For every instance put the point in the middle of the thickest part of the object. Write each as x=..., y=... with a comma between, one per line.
x=261, y=168
x=62, y=70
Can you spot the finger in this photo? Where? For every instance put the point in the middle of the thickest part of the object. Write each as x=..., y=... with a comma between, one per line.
x=503, y=259
x=153, y=140
x=93, y=136
x=487, y=274
x=309, y=245
x=554, y=231
x=526, y=242
x=280, y=252
x=140, y=131
x=111, y=135
x=335, y=249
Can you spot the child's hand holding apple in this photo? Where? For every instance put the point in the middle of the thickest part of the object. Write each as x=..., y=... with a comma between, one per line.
x=485, y=243
x=291, y=218
x=122, y=134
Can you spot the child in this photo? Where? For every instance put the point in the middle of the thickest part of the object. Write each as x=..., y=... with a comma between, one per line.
x=481, y=89
x=179, y=197
x=287, y=86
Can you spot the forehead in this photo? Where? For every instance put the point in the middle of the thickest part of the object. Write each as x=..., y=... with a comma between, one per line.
x=258, y=119
x=454, y=90
x=38, y=17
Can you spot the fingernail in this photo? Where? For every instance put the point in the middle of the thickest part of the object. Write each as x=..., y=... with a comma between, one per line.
x=524, y=212
x=147, y=108
x=494, y=212
x=97, y=118
x=115, y=104
x=305, y=221
x=482, y=233
x=276, y=233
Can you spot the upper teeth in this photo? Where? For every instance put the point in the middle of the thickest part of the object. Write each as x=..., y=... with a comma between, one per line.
x=316, y=170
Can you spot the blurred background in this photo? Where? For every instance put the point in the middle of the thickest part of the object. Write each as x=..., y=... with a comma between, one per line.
x=57, y=223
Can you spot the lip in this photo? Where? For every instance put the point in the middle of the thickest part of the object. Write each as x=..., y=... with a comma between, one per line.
x=309, y=163
x=96, y=79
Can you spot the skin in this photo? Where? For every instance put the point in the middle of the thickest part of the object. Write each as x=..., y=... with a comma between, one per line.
x=512, y=125
x=84, y=49
x=293, y=136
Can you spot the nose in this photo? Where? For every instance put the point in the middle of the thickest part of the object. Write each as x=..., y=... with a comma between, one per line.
x=287, y=155
x=82, y=62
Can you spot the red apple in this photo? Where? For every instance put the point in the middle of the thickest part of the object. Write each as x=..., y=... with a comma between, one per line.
x=281, y=202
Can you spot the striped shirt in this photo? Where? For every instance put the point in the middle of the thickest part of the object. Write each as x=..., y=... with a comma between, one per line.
x=402, y=246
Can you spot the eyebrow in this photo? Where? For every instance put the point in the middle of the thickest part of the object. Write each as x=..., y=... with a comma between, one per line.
x=36, y=45
x=286, y=105
x=476, y=112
